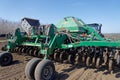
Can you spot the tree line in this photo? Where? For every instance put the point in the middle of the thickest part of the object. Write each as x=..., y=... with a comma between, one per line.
x=8, y=26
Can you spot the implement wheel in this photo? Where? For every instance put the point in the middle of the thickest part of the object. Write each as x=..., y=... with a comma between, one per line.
x=45, y=70
x=88, y=61
x=16, y=49
x=110, y=66
x=19, y=50
x=97, y=63
x=78, y=59
x=30, y=68
x=35, y=52
x=22, y=50
x=31, y=52
x=4, y=48
x=83, y=59
x=56, y=56
x=61, y=57
x=93, y=61
x=71, y=59
x=6, y=58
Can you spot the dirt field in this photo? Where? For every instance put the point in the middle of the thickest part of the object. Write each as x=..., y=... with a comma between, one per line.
x=15, y=71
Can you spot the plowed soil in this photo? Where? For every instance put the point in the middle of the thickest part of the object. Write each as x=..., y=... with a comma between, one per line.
x=15, y=71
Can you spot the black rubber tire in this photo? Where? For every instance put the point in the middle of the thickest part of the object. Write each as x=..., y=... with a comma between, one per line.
x=97, y=63
x=48, y=67
x=30, y=68
x=6, y=58
x=88, y=61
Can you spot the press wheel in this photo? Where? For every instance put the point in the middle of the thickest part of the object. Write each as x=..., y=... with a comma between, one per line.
x=88, y=61
x=71, y=59
x=110, y=66
x=97, y=63
x=56, y=56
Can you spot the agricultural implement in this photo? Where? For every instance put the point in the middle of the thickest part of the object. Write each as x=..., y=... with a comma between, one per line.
x=71, y=41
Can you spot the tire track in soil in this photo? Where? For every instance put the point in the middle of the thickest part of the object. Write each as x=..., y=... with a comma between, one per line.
x=93, y=75
x=61, y=74
x=84, y=75
x=8, y=73
x=76, y=73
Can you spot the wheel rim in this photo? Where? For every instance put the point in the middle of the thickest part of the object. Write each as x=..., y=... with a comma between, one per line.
x=5, y=59
x=47, y=72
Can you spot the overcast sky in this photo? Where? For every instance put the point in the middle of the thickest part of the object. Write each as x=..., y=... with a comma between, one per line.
x=106, y=12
